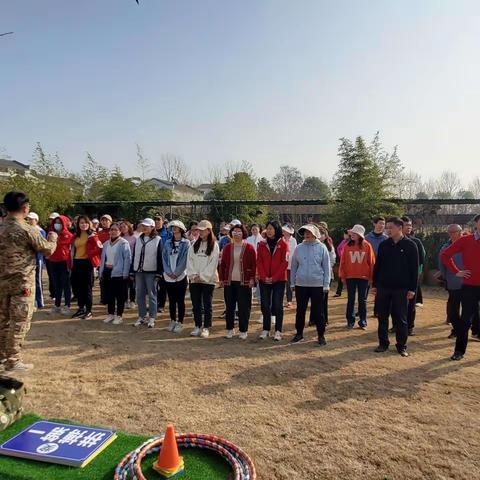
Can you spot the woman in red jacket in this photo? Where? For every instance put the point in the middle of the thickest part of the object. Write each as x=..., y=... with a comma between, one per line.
x=60, y=266
x=272, y=265
x=86, y=251
x=237, y=274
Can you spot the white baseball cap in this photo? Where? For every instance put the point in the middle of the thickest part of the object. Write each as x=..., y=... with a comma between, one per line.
x=33, y=216
x=95, y=220
x=235, y=222
x=53, y=215
x=287, y=228
x=148, y=222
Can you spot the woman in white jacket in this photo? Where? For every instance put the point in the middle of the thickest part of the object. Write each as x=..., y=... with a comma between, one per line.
x=202, y=263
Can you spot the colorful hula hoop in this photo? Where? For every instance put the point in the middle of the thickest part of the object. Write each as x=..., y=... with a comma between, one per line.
x=243, y=468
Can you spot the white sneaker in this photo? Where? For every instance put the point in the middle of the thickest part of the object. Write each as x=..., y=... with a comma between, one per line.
x=278, y=336
x=243, y=335
x=178, y=327
x=230, y=334
x=118, y=320
x=264, y=335
x=130, y=305
x=151, y=323
x=419, y=305
x=260, y=320
x=65, y=311
x=273, y=320
x=205, y=333
x=171, y=326
x=140, y=321
x=54, y=310
x=196, y=332
x=110, y=318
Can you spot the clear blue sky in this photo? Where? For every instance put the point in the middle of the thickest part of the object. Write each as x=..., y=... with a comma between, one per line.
x=269, y=81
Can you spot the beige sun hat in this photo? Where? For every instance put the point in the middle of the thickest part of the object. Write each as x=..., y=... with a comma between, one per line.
x=313, y=229
x=358, y=229
x=179, y=224
x=204, y=224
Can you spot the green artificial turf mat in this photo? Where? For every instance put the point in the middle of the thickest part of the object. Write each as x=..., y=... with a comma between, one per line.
x=199, y=464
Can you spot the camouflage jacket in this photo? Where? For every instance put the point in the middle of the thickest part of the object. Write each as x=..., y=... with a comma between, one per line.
x=19, y=245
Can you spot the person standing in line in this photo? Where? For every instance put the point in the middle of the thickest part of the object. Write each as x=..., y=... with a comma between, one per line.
x=395, y=278
x=272, y=265
x=412, y=304
x=164, y=234
x=469, y=247
x=175, y=252
x=33, y=219
x=310, y=276
x=289, y=237
x=114, y=270
x=340, y=248
x=237, y=272
x=103, y=233
x=147, y=266
x=254, y=239
x=128, y=233
x=453, y=284
x=19, y=245
x=193, y=232
x=356, y=271
x=51, y=287
x=328, y=242
x=202, y=272
x=85, y=255
x=60, y=262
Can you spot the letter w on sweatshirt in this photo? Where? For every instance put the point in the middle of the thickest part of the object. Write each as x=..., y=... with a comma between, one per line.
x=356, y=256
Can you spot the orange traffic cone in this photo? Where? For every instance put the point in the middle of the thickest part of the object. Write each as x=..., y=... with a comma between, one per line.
x=169, y=461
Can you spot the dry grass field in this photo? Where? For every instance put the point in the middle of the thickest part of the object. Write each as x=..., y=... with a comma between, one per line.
x=301, y=412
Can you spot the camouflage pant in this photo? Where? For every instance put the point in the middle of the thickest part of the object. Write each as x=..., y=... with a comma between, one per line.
x=15, y=315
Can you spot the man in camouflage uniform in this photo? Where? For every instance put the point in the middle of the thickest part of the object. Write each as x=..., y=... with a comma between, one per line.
x=19, y=245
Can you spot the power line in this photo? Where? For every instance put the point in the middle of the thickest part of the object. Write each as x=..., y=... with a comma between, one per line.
x=7, y=33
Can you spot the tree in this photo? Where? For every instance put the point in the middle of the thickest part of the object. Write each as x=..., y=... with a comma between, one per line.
x=265, y=189
x=288, y=182
x=47, y=164
x=93, y=177
x=173, y=169
x=143, y=164
x=448, y=185
x=475, y=187
x=359, y=186
x=315, y=188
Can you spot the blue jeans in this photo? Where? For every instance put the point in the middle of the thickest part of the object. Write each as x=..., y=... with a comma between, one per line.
x=38, y=285
x=354, y=284
x=146, y=285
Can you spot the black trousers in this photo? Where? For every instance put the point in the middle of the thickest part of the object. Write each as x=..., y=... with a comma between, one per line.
x=454, y=303
x=236, y=293
x=61, y=282
x=317, y=316
x=115, y=292
x=51, y=285
x=161, y=293
x=325, y=306
x=470, y=296
x=201, y=295
x=176, y=299
x=392, y=302
x=132, y=294
x=271, y=296
x=411, y=313
x=82, y=277
x=339, y=287
x=419, y=293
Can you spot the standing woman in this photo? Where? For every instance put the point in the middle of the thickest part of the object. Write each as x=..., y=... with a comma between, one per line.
x=114, y=272
x=60, y=266
x=340, y=248
x=272, y=264
x=86, y=251
x=310, y=276
x=174, y=255
x=254, y=239
x=202, y=265
x=356, y=270
x=147, y=267
x=127, y=232
x=237, y=274
x=288, y=235
x=328, y=242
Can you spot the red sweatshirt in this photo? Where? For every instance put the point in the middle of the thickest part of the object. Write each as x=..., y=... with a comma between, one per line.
x=469, y=247
x=104, y=235
x=272, y=266
x=357, y=262
x=248, y=264
x=94, y=252
x=65, y=238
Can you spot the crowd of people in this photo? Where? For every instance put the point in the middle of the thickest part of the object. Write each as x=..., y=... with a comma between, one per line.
x=139, y=265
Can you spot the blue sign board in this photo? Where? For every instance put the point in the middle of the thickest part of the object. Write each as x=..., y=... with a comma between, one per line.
x=52, y=442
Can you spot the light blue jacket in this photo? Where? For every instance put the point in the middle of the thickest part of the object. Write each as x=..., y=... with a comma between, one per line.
x=181, y=266
x=375, y=240
x=311, y=266
x=121, y=261
x=452, y=282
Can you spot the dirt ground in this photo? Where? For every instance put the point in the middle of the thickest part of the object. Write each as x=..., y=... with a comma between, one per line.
x=301, y=412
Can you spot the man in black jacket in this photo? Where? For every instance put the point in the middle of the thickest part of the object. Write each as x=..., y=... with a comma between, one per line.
x=395, y=279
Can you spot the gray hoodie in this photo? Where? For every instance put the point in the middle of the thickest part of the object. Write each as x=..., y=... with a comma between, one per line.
x=311, y=266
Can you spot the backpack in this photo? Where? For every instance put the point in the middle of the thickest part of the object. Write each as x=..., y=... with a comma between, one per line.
x=11, y=401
